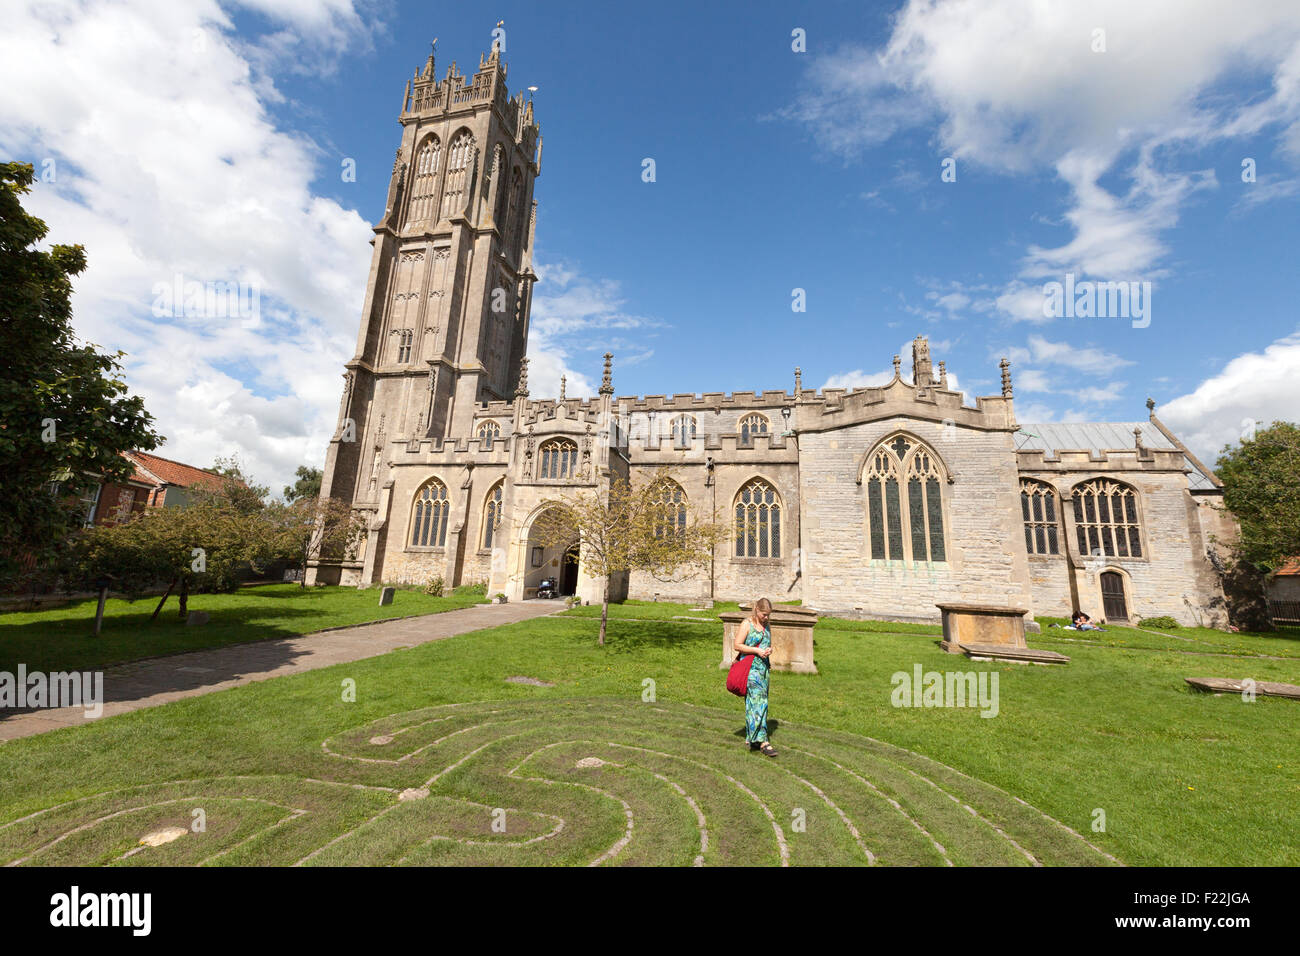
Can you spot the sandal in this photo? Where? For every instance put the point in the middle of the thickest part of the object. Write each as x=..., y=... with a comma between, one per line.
x=767, y=750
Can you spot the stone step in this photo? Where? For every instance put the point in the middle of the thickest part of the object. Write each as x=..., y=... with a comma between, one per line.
x=1226, y=685
x=1004, y=652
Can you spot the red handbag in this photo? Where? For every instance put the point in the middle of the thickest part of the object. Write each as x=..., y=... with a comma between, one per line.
x=738, y=676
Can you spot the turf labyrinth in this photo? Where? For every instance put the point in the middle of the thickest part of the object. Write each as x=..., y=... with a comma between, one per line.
x=574, y=782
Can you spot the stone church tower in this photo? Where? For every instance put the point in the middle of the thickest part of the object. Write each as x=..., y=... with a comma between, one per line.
x=445, y=321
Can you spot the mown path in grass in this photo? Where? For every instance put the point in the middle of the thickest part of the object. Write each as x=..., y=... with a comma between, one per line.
x=1182, y=778
x=568, y=782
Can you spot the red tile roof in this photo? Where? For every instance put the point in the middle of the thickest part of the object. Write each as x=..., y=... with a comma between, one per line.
x=173, y=472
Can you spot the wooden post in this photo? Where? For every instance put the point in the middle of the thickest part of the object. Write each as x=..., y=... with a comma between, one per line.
x=99, y=611
x=166, y=594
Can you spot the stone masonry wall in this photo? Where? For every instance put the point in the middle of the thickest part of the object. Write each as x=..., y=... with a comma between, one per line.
x=983, y=533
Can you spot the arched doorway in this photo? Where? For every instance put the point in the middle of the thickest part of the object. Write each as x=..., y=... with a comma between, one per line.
x=1113, y=604
x=543, y=561
x=569, y=571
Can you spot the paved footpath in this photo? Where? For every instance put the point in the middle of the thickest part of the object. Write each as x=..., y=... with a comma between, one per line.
x=161, y=680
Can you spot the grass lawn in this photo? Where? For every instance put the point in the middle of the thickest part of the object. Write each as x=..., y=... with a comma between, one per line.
x=61, y=638
x=636, y=755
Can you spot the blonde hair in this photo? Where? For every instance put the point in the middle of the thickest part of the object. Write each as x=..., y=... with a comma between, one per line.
x=762, y=604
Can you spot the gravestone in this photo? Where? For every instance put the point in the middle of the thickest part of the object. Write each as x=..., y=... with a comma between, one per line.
x=386, y=596
x=792, y=637
x=195, y=618
x=982, y=624
x=1227, y=685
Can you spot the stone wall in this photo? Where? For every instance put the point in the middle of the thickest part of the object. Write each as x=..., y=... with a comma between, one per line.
x=734, y=578
x=984, y=540
x=1172, y=577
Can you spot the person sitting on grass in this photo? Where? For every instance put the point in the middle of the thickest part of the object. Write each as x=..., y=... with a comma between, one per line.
x=1082, y=622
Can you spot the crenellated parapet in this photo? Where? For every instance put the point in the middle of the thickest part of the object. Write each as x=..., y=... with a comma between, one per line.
x=448, y=451
x=543, y=410
x=689, y=401
x=835, y=408
x=427, y=97
x=1104, y=460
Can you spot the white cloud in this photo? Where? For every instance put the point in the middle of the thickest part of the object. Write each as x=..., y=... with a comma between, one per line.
x=1035, y=412
x=572, y=313
x=1016, y=86
x=167, y=162
x=1042, y=351
x=859, y=379
x=1255, y=388
x=1033, y=380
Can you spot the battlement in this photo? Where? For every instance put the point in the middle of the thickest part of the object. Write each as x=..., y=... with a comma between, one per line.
x=1109, y=459
x=451, y=451
x=723, y=447
x=425, y=96
x=689, y=401
x=547, y=409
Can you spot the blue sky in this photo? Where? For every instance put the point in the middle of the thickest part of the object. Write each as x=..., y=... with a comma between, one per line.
x=206, y=139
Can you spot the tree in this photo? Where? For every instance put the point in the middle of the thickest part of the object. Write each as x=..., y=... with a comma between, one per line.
x=200, y=547
x=306, y=526
x=307, y=485
x=631, y=527
x=1261, y=488
x=65, y=412
x=232, y=487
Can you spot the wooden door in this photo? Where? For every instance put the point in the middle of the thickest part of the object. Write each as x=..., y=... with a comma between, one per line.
x=1112, y=596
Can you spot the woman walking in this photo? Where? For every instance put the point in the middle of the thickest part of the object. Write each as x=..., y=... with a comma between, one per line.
x=754, y=637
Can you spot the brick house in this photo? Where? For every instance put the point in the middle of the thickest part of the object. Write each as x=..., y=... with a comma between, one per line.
x=155, y=482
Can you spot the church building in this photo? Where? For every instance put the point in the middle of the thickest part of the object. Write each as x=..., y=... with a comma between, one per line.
x=878, y=502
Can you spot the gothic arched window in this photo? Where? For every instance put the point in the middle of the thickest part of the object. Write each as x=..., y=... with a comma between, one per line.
x=559, y=459
x=683, y=431
x=429, y=522
x=671, y=501
x=488, y=433
x=405, y=338
x=758, y=521
x=515, y=212
x=904, y=485
x=1042, y=516
x=492, y=513
x=424, y=187
x=750, y=426
x=460, y=166
x=502, y=187
x=1106, y=519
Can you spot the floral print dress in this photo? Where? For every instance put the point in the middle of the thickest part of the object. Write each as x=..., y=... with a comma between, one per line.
x=756, y=691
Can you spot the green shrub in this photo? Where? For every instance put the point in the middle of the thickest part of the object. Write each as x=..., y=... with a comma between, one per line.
x=478, y=589
x=435, y=587
x=1158, y=622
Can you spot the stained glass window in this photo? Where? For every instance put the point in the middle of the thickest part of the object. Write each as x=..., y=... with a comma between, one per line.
x=1106, y=519
x=758, y=521
x=429, y=527
x=1039, y=510
x=492, y=513
x=904, y=514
